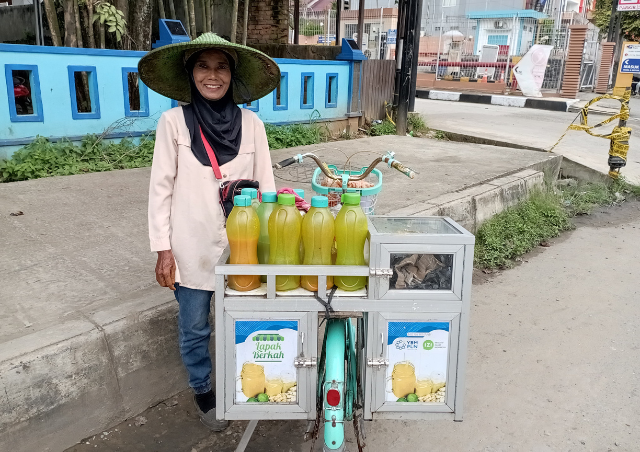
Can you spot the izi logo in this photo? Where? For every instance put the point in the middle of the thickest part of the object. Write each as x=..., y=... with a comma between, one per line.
x=427, y=345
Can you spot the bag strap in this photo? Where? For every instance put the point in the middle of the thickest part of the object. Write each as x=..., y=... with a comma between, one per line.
x=212, y=157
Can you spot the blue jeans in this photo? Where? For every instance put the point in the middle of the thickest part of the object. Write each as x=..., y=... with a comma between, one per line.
x=194, y=334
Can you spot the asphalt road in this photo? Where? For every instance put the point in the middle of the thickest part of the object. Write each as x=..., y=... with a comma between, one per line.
x=553, y=363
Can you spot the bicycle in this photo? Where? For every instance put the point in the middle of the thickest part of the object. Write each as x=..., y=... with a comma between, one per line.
x=338, y=391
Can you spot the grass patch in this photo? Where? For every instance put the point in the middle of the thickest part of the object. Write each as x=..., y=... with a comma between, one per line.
x=416, y=123
x=287, y=136
x=519, y=229
x=385, y=127
x=544, y=215
x=41, y=158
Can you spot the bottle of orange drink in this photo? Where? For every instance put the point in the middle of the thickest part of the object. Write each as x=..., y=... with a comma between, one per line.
x=243, y=230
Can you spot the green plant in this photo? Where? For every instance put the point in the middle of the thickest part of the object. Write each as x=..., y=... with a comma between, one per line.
x=41, y=158
x=416, y=123
x=311, y=28
x=291, y=135
x=440, y=135
x=385, y=127
x=114, y=18
x=580, y=199
x=519, y=229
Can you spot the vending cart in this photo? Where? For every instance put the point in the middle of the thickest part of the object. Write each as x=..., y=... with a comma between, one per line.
x=414, y=317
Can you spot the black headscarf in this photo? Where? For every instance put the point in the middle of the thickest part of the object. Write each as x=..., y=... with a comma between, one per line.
x=220, y=120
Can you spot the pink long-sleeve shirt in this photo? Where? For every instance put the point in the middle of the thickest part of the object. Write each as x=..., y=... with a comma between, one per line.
x=184, y=197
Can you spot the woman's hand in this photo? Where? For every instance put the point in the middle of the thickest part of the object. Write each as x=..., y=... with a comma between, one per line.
x=166, y=269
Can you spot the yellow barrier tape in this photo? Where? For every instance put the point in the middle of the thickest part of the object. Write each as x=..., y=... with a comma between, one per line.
x=618, y=135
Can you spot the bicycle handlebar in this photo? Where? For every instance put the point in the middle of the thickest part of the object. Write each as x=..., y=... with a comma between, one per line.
x=327, y=172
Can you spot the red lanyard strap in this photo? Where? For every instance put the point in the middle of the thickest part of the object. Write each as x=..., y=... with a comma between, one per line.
x=212, y=157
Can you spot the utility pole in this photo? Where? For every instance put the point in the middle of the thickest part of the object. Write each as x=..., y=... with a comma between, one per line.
x=416, y=58
x=612, y=20
x=412, y=27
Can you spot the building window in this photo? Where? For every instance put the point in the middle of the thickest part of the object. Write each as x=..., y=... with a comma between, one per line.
x=437, y=28
x=83, y=88
x=253, y=106
x=332, y=91
x=367, y=29
x=350, y=30
x=136, y=98
x=23, y=93
x=281, y=93
x=306, y=90
x=498, y=40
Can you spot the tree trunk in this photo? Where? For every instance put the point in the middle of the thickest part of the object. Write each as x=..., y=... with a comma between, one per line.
x=70, y=36
x=76, y=14
x=207, y=6
x=140, y=26
x=161, y=14
x=245, y=22
x=89, y=24
x=102, y=36
x=234, y=21
x=185, y=11
x=52, y=19
x=172, y=10
x=192, y=19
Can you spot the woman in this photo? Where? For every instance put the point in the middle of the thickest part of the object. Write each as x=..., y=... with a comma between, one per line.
x=186, y=222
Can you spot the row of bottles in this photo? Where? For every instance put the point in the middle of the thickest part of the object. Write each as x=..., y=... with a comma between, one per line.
x=274, y=232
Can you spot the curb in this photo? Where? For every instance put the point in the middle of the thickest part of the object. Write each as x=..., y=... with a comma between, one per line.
x=494, y=99
x=474, y=205
x=78, y=378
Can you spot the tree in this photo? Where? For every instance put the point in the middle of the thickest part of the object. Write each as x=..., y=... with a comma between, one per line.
x=52, y=20
x=70, y=36
x=629, y=20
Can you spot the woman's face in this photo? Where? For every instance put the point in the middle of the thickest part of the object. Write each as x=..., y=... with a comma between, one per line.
x=212, y=74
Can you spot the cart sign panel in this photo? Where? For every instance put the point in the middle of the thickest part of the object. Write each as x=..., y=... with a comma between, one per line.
x=265, y=353
x=628, y=5
x=418, y=355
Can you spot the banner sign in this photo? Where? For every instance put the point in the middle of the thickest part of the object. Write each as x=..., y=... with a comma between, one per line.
x=628, y=5
x=391, y=36
x=531, y=68
x=418, y=354
x=630, y=59
x=265, y=350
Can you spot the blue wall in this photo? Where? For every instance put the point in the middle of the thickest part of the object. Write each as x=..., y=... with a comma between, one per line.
x=55, y=118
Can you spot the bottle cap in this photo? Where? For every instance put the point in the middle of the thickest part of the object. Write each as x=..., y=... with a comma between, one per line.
x=269, y=196
x=242, y=200
x=286, y=199
x=319, y=201
x=251, y=192
x=299, y=191
x=351, y=199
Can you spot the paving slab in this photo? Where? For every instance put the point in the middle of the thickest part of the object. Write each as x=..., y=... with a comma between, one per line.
x=534, y=129
x=88, y=339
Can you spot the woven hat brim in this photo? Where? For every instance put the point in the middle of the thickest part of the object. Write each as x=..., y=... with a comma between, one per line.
x=163, y=71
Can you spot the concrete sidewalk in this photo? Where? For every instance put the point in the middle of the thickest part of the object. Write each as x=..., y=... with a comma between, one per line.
x=88, y=339
x=535, y=129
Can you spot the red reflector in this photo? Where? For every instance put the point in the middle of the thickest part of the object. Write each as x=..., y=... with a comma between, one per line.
x=333, y=397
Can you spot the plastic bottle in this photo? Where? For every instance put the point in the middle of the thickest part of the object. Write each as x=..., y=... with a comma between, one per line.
x=351, y=233
x=284, y=239
x=318, y=230
x=253, y=193
x=243, y=231
x=269, y=203
x=299, y=192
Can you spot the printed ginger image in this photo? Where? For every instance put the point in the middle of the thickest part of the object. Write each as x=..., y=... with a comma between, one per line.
x=258, y=388
x=408, y=388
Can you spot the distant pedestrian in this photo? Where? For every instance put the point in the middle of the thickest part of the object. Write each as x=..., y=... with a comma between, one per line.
x=186, y=221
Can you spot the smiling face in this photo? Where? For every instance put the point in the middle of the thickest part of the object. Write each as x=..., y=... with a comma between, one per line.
x=212, y=74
